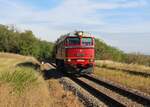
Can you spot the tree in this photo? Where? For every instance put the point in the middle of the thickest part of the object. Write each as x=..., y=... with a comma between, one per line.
x=24, y=43
x=106, y=52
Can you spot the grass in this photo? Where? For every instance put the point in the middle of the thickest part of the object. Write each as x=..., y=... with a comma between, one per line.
x=126, y=79
x=122, y=66
x=21, y=86
x=17, y=76
x=20, y=78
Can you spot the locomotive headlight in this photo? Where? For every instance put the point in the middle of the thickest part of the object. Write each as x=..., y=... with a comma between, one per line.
x=69, y=60
x=91, y=60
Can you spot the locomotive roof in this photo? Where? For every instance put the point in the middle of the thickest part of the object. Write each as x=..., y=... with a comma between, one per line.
x=73, y=34
x=76, y=33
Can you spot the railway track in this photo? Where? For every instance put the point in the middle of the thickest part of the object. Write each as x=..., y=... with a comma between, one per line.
x=109, y=93
x=99, y=95
x=129, y=94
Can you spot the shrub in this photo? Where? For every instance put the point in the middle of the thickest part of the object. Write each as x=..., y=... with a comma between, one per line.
x=20, y=78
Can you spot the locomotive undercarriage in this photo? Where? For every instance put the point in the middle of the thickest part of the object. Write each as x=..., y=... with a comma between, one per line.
x=74, y=69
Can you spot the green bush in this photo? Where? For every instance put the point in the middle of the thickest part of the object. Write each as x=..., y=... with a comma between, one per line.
x=21, y=78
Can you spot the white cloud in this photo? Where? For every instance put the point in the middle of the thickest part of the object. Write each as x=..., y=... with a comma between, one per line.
x=69, y=15
x=70, y=11
x=115, y=5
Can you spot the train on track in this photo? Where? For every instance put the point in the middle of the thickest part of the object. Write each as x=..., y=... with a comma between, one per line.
x=74, y=52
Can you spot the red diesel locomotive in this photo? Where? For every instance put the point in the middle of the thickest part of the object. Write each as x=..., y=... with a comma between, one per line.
x=74, y=52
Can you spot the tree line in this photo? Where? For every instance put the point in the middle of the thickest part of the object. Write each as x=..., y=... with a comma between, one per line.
x=26, y=43
x=106, y=52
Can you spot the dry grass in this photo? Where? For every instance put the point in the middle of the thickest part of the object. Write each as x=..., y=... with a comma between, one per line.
x=132, y=81
x=9, y=61
x=20, y=78
x=21, y=86
x=33, y=96
x=60, y=97
x=122, y=66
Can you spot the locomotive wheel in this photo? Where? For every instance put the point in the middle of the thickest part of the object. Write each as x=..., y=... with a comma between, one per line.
x=89, y=70
x=60, y=65
x=92, y=70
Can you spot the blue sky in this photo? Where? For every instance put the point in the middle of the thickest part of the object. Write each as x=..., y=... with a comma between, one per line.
x=124, y=24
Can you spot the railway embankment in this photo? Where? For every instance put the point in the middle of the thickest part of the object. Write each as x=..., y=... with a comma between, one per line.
x=22, y=85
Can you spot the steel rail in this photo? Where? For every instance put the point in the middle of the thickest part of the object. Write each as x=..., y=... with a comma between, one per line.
x=141, y=99
x=109, y=101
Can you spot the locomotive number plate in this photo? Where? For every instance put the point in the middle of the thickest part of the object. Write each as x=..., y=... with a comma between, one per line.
x=80, y=60
x=80, y=54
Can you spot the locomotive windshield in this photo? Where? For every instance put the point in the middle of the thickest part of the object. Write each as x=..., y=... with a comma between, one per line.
x=86, y=41
x=73, y=41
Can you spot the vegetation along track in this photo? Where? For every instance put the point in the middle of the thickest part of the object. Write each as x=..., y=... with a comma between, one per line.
x=134, y=72
x=111, y=94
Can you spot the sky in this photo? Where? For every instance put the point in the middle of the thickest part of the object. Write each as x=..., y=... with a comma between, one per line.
x=124, y=24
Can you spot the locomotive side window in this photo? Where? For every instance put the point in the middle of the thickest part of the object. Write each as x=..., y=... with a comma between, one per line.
x=86, y=41
x=73, y=41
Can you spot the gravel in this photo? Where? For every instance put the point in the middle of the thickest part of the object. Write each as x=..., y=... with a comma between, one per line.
x=112, y=94
x=87, y=99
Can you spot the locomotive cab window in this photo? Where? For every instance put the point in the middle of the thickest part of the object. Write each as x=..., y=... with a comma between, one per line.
x=87, y=41
x=73, y=41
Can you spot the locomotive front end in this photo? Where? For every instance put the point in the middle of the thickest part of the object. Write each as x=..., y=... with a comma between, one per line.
x=79, y=53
